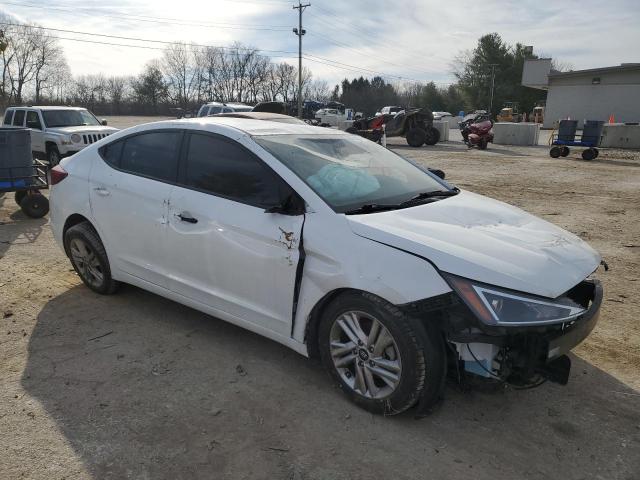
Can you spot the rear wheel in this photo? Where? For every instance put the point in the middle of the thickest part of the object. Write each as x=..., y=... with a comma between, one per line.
x=596, y=152
x=35, y=205
x=433, y=136
x=89, y=258
x=482, y=144
x=378, y=356
x=589, y=154
x=564, y=151
x=416, y=136
x=554, y=152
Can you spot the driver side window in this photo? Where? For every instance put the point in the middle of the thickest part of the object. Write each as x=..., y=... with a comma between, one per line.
x=224, y=168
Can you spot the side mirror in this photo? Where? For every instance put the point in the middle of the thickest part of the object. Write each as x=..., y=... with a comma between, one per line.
x=437, y=172
x=292, y=205
x=104, y=122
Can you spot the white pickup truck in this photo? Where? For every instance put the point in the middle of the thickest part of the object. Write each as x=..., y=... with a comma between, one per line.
x=58, y=132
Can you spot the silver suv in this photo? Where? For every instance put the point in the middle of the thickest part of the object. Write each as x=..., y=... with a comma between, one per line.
x=58, y=132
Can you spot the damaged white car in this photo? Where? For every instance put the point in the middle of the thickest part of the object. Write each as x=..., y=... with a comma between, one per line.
x=333, y=246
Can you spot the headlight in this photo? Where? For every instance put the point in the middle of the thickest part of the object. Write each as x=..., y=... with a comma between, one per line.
x=65, y=140
x=497, y=306
x=75, y=138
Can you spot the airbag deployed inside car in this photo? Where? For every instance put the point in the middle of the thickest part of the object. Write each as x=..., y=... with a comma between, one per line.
x=337, y=182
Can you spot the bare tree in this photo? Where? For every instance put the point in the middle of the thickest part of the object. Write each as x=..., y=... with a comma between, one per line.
x=48, y=58
x=24, y=43
x=182, y=71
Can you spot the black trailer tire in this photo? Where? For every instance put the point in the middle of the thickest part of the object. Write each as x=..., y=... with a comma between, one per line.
x=588, y=154
x=419, y=353
x=53, y=155
x=596, y=152
x=19, y=195
x=433, y=136
x=416, y=136
x=89, y=258
x=35, y=205
x=554, y=152
x=564, y=151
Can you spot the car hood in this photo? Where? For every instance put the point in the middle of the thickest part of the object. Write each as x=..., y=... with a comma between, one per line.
x=485, y=240
x=82, y=129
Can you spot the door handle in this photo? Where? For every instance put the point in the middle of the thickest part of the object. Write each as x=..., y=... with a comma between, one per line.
x=102, y=191
x=186, y=218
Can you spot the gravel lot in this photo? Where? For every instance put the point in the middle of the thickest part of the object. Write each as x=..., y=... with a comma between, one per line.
x=136, y=386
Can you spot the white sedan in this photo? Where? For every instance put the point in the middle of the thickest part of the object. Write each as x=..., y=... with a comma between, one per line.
x=333, y=246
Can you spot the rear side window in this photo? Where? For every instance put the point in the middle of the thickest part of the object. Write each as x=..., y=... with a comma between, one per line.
x=8, y=117
x=33, y=120
x=18, y=118
x=224, y=168
x=153, y=155
x=111, y=153
x=214, y=110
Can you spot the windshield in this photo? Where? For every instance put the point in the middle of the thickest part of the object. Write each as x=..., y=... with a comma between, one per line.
x=348, y=171
x=68, y=118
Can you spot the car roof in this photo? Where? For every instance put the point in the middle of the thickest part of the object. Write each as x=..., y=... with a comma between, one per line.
x=247, y=125
x=51, y=107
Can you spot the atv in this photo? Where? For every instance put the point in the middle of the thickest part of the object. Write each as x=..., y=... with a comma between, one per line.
x=416, y=125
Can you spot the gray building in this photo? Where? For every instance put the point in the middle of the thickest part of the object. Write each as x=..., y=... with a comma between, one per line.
x=592, y=94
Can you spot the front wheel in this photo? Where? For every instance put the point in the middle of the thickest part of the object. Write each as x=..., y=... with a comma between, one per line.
x=416, y=136
x=53, y=156
x=382, y=360
x=433, y=136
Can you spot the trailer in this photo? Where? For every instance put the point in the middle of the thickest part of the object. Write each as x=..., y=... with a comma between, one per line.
x=567, y=137
x=21, y=174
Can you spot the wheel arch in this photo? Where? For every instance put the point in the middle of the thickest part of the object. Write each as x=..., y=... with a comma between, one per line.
x=311, y=331
x=73, y=220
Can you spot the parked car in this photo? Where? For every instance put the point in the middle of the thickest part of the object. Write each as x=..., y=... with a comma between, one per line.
x=58, y=132
x=389, y=110
x=441, y=115
x=213, y=108
x=333, y=246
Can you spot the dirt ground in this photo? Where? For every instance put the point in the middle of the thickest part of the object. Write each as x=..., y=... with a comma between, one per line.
x=136, y=386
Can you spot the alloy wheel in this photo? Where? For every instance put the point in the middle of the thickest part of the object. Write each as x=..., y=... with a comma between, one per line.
x=365, y=354
x=86, y=261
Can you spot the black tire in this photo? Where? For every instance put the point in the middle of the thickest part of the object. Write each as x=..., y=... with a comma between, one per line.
x=554, y=152
x=564, y=151
x=53, y=155
x=422, y=355
x=35, y=205
x=588, y=154
x=352, y=130
x=19, y=195
x=433, y=136
x=482, y=144
x=596, y=152
x=416, y=136
x=85, y=233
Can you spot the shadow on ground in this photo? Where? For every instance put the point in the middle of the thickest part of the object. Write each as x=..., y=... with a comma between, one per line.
x=142, y=387
x=18, y=229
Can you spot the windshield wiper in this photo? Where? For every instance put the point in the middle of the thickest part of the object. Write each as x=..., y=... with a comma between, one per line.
x=372, y=207
x=433, y=194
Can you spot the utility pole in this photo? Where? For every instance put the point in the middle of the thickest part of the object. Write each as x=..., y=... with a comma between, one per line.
x=300, y=32
x=493, y=78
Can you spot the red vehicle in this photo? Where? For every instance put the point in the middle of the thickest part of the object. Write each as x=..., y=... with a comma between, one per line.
x=476, y=130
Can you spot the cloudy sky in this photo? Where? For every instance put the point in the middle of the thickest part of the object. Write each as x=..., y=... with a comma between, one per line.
x=408, y=39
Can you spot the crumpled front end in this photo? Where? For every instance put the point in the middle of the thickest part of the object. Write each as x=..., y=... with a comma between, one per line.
x=519, y=354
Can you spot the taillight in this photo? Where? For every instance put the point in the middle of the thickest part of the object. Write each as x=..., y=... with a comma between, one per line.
x=58, y=174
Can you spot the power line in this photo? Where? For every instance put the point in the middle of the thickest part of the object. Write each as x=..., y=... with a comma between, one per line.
x=159, y=20
x=120, y=37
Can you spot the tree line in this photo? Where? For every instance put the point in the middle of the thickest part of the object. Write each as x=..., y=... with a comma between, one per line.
x=34, y=69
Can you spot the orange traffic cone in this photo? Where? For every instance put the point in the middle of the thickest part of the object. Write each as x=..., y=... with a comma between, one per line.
x=612, y=119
